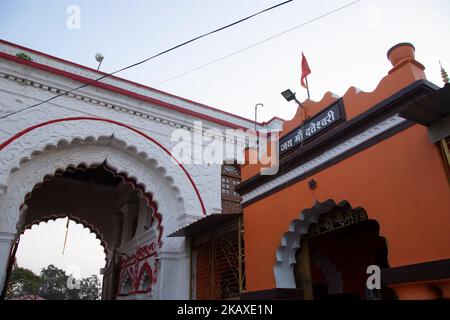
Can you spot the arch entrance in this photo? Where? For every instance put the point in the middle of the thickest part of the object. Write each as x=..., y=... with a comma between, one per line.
x=122, y=184
x=120, y=213
x=334, y=254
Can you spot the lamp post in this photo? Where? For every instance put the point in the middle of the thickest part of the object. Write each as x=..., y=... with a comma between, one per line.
x=99, y=57
x=289, y=96
x=256, y=119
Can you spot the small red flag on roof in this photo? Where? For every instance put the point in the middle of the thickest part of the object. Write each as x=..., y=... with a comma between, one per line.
x=305, y=72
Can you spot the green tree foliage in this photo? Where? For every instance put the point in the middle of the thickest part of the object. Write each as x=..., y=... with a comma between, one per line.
x=52, y=284
x=56, y=286
x=90, y=288
x=22, y=282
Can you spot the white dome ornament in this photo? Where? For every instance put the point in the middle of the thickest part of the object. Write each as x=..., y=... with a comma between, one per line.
x=99, y=57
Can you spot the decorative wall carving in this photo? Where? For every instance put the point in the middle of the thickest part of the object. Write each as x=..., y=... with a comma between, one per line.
x=43, y=151
x=161, y=181
x=141, y=267
x=168, y=195
x=290, y=241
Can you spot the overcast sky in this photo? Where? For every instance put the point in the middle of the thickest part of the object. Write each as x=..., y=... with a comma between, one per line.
x=43, y=245
x=345, y=49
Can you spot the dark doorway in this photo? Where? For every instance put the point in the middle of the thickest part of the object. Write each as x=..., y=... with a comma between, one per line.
x=334, y=255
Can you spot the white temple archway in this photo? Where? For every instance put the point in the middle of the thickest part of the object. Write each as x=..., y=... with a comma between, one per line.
x=299, y=228
x=42, y=150
x=290, y=242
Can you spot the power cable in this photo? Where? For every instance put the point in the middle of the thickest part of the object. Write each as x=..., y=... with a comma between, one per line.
x=150, y=58
x=255, y=44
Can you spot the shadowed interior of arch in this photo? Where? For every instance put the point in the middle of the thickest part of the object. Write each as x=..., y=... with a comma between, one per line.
x=109, y=139
x=97, y=197
x=334, y=254
x=92, y=194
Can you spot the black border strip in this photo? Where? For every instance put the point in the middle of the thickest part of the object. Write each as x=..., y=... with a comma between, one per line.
x=340, y=103
x=426, y=271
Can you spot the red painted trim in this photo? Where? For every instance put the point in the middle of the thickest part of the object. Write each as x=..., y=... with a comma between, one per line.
x=140, y=291
x=27, y=130
x=118, y=90
x=131, y=82
x=109, y=87
x=126, y=265
x=273, y=119
x=145, y=268
x=134, y=292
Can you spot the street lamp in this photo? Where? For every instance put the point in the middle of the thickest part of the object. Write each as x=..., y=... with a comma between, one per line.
x=256, y=112
x=256, y=119
x=99, y=57
x=289, y=96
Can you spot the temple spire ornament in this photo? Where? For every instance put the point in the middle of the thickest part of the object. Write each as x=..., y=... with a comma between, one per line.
x=444, y=73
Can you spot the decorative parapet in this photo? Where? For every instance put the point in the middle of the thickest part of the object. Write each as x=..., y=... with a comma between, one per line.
x=406, y=70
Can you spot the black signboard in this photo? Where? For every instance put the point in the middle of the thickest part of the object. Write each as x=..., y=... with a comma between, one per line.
x=311, y=128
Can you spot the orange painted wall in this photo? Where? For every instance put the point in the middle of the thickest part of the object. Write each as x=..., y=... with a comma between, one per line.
x=400, y=182
x=405, y=71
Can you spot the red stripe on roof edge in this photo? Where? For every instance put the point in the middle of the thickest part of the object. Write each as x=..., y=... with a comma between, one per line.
x=130, y=82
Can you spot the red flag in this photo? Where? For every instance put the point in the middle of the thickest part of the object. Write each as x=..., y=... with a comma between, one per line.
x=305, y=71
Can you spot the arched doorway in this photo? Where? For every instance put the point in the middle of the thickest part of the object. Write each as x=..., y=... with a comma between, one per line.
x=147, y=169
x=57, y=258
x=332, y=260
x=122, y=215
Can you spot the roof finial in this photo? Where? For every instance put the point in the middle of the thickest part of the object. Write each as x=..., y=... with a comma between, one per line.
x=444, y=73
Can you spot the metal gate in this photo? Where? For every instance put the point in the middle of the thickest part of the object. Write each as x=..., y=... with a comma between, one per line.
x=217, y=262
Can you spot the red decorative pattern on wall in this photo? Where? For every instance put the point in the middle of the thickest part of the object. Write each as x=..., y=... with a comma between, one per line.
x=136, y=269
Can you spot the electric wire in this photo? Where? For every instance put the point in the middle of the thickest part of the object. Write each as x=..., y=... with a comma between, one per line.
x=256, y=44
x=151, y=58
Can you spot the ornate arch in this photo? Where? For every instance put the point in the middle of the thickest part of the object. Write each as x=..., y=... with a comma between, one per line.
x=135, y=185
x=290, y=241
x=52, y=133
x=62, y=143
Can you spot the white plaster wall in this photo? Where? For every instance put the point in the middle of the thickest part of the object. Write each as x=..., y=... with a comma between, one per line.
x=26, y=161
x=117, y=82
x=159, y=123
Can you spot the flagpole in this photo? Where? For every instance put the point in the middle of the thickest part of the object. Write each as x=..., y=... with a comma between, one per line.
x=67, y=231
x=307, y=87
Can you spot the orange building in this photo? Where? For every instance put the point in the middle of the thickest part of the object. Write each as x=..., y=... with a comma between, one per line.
x=363, y=182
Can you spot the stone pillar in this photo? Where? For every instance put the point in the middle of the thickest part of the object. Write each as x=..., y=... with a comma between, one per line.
x=117, y=232
x=6, y=242
x=144, y=217
x=110, y=276
x=129, y=212
x=173, y=281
